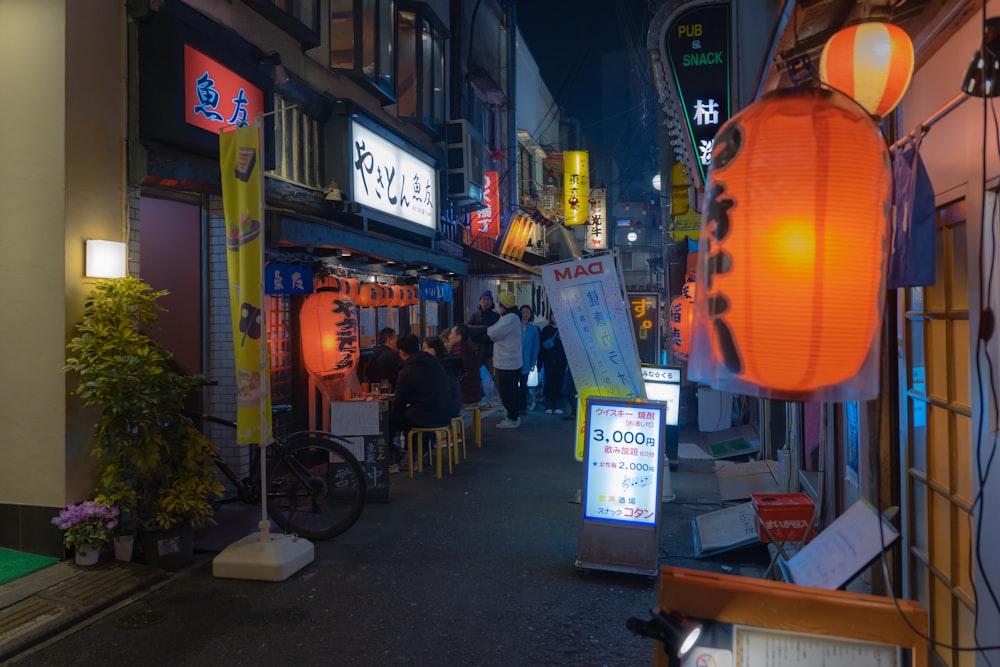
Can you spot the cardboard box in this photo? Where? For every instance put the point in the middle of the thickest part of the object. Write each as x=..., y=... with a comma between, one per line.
x=787, y=516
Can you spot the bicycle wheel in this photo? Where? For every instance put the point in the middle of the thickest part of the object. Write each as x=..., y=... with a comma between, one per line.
x=316, y=488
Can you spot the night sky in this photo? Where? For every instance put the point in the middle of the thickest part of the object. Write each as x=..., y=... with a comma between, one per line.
x=568, y=40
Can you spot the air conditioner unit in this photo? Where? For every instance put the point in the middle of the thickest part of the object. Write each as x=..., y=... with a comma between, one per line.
x=464, y=147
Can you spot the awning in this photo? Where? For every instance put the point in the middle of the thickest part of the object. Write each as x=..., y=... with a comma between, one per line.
x=483, y=263
x=285, y=231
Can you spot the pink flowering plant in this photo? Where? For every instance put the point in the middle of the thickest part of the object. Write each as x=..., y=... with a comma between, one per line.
x=87, y=524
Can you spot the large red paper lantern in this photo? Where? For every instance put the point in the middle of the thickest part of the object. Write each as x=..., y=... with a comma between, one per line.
x=681, y=319
x=871, y=62
x=791, y=271
x=329, y=330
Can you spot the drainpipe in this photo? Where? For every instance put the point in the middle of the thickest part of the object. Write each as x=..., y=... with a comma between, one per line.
x=512, y=152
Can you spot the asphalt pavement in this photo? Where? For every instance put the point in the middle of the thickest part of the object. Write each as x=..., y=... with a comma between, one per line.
x=477, y=568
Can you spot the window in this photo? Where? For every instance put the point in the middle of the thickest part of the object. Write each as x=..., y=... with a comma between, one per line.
x=361, y=42
x=299, y=18
x=297, y=138
x=421, y=65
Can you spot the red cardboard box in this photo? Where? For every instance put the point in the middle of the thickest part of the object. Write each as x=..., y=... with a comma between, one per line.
x=786, y=515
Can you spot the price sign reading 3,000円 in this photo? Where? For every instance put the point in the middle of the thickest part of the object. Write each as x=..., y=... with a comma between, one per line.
x=623, y=465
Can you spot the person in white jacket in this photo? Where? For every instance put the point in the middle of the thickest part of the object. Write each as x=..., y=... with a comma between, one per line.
x=506, y=336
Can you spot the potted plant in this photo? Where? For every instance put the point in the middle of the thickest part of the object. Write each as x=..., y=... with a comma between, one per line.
x=89, y=527
x=152, y=462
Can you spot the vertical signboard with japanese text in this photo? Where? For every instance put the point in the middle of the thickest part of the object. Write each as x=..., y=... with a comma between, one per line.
x=486, y=222
x=597, y=232
x=697, y=49
x=622, y=485
x=576, y=187
x=644, y=308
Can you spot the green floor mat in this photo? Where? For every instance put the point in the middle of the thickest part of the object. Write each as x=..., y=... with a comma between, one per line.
x=14, y=564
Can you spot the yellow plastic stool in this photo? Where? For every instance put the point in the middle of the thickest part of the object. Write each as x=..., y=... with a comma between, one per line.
x=442, y=436
x=458, y=436
x=477, y=423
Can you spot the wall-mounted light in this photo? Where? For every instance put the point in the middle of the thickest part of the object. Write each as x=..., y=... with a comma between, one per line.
x=105, y=259
x=871, y=62
x=678, y=633
x=632, y=237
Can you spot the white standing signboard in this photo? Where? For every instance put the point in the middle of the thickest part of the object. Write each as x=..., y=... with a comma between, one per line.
x=621, y=485
x=593, y=316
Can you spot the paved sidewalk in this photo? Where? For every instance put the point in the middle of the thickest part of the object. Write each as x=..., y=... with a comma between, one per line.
x=508, y=517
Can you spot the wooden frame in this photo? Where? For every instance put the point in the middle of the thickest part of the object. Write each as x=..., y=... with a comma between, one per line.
x=753, y=602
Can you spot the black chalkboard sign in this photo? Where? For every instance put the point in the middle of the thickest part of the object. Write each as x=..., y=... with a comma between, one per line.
x=376, y=467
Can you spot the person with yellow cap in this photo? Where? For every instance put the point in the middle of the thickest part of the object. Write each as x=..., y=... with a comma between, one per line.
x=506, y=336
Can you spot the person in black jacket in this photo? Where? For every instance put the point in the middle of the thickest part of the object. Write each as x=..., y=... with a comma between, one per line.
x=384, y=361
x=434, y=346
x=485, y=317
x=422, y=398
x=552, y=359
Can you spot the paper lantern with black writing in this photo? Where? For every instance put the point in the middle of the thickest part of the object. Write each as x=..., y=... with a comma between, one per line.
x=681, y=317
x=871, y=62
x=791, y=270
x=368, y=294
x=329, y=329
x=412, y=295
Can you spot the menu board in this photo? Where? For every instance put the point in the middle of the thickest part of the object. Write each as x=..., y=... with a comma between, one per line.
x=622, y=461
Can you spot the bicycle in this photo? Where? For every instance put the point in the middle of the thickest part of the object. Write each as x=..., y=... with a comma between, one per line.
x=315, y=488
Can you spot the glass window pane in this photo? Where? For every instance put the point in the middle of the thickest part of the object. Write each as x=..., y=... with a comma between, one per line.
x=941, y=534
x=368, y=38
x=959, y=368
x=918, y=434
x=919, y=518
x=437, y=113
x=386, y=64
x=407, y=82
x=426, y=71
x=959, y=268
x=342, y=34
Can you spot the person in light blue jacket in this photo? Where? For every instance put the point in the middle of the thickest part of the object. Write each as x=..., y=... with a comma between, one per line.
x=529, y=352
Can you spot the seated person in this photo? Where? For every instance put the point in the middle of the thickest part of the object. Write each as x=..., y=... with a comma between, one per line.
x=385, y=360
x=468, y=352
x=422, y=397
x=434, y=346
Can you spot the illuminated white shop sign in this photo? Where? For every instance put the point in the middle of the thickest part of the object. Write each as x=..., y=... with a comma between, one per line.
x=387, y=178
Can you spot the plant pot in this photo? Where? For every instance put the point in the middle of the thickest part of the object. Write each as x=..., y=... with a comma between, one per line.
x=88, y=554
x=169, y=549
x=123, y=547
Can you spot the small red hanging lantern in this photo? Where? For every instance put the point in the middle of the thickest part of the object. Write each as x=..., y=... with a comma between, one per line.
x=329, y=328
x=383, y=296
x=412, y=295
x=681, y=318
x=791, y=271
x=871, y=62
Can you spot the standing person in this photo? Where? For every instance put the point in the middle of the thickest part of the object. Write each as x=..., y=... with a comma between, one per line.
x=468, y=352
x=485, y=317
x=506, y=337
x=529, y=353
x=384, y=362
x=552, y=357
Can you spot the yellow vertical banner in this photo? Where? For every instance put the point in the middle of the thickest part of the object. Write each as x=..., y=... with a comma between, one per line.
x=243, y=202
x=576, y=187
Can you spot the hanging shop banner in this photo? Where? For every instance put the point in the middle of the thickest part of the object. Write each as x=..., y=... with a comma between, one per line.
x=592, y=312
x=387, y=178
x=435, y=290
x=281, y=279
x=622, y=485
x=597, y=231
x=576, y=187
x=486, y=223
x=215, y=97
x=243, y=203
x=663, y=385
x=644, y=310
